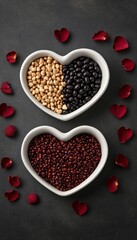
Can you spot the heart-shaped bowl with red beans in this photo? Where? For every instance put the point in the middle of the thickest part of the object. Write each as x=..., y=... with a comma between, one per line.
x=64, y=162
x=64, y=86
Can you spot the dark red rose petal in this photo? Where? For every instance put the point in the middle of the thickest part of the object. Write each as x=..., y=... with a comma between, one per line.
x=100, y=36
x=121, y=161
x=128, y=64
x=79, y=207
x=124, y=134
x=10, y=131
x=6, y=162
x=6, y=88
x=62, y=35
x=120, y=43
x=112, y=184
x=14, y=181
x=33, y=198
x=11, y=57
x=125, y=91
x=6, y=111
x=118, y=110
x=12, y=195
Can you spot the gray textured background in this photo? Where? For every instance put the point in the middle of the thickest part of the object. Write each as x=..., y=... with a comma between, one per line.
x=27, y=26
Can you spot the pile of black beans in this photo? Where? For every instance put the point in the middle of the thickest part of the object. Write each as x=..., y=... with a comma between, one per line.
x=83, y=80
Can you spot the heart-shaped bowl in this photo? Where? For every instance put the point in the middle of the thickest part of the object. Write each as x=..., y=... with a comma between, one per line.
x=64, y=60
x=65, y=137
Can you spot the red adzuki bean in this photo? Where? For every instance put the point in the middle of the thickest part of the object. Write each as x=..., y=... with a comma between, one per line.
x=64, y=164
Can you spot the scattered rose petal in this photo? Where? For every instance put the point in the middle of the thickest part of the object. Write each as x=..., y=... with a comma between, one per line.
x=6, y=111
x=62, y=35
x=120, y=43
x=11, y=57
x=12, y=195
x=33, y=198
x=121, y=161
x=6, y=88
x=118, y=110
x=128, y=64
x=100, y=36
x=125, y=91
x=79, y=207
x=10, y=131
x=112, y=184
x=6, y=162
x=14, y=181
x=124, y=134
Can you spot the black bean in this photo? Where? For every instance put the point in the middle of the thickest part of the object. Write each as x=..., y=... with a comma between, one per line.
x=87, y=80
x=81, y=58
x=79, y=96
x=86, y=74
x=74, y=93
x=71, y=74
x=87, y=60
x=85, y=66
x=86, y=88
x=97, y=69
x=97, y=81
x=78, y=80
x=79, y=75
x=81, y=91
x=67, y=95
x=79, y=64
x=92, y=79
x=88, y=98
x=69, y=87
x=82, y=70
x=69, y=81
x=77, y=87
x=68, y=90
x=94, y=74
x=71, y=99
x=78, y=69
x=83, y=77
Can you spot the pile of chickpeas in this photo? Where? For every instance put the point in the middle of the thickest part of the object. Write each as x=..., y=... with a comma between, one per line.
x=46, y=82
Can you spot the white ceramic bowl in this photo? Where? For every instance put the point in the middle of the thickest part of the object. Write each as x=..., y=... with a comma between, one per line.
x=66, y=60
x=64, y=137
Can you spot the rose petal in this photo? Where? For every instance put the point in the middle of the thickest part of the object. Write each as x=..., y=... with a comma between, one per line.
x=12, y=195
x=14, y=181
x=62, y=35
x=118, y=110
x=112, y=184
x=125, y=91
x=6, y=111
x=11, y=57
x=100, y=36
x=6, y=162
x=128, y=64
x=10, y=131
x=6, y=88
x=120, y=43
x=124, y=134
x=33, y=198
x=79, y=207
x=121, y=161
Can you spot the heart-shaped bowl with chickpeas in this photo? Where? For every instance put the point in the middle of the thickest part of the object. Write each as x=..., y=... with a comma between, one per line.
x=64, y=86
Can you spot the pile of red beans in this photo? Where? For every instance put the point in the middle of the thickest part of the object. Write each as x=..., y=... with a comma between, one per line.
x=64, y=164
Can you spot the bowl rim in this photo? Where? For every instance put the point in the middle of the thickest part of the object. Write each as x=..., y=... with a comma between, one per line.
x=65, y=137
x=65, y=60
